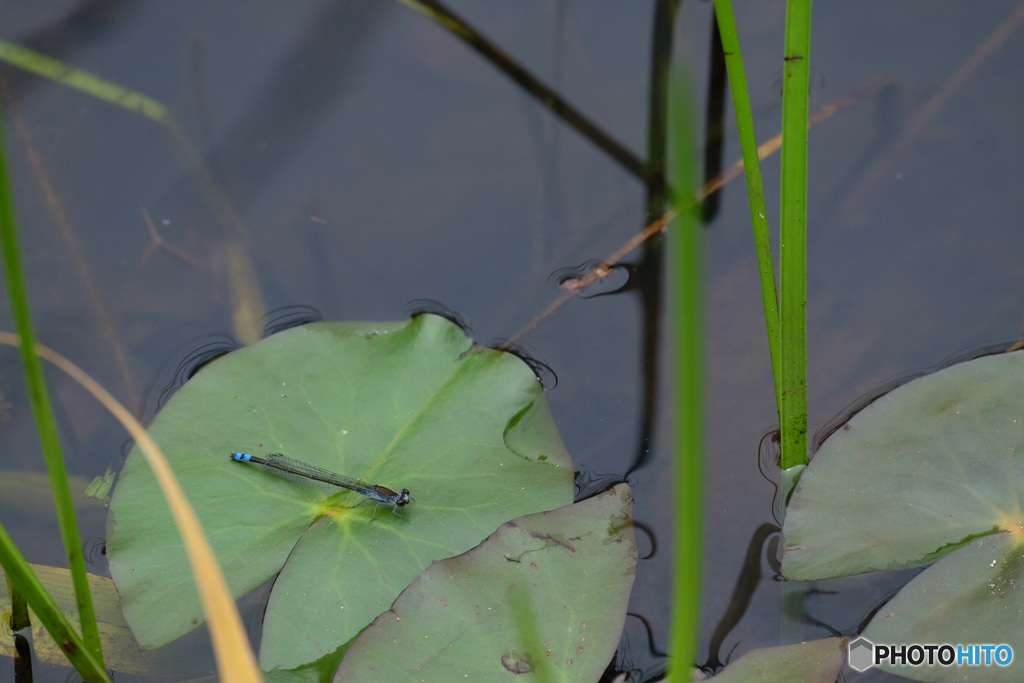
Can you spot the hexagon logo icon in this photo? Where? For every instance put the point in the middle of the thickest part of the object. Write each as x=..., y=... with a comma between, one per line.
x=861, y=654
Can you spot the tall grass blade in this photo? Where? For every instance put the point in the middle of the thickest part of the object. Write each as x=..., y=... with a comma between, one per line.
x=752, y=173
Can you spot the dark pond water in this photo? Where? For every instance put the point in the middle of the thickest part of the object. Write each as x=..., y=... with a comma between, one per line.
x=373, y=160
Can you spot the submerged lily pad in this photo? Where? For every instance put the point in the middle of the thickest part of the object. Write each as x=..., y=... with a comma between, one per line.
x=545, y=597
x=406, y=405
x=924, y=470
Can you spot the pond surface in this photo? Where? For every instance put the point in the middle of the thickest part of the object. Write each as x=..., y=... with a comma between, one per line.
x=374, y=161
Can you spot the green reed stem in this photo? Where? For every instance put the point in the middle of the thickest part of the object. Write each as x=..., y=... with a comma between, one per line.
x=793, y=231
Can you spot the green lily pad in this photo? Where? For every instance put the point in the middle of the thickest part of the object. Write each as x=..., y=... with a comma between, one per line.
x=406, y=405
x=926, y=469
x=545, y=596
x=973, y=596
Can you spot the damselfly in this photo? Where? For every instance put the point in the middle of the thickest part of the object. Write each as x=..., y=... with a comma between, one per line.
x=304, y=473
